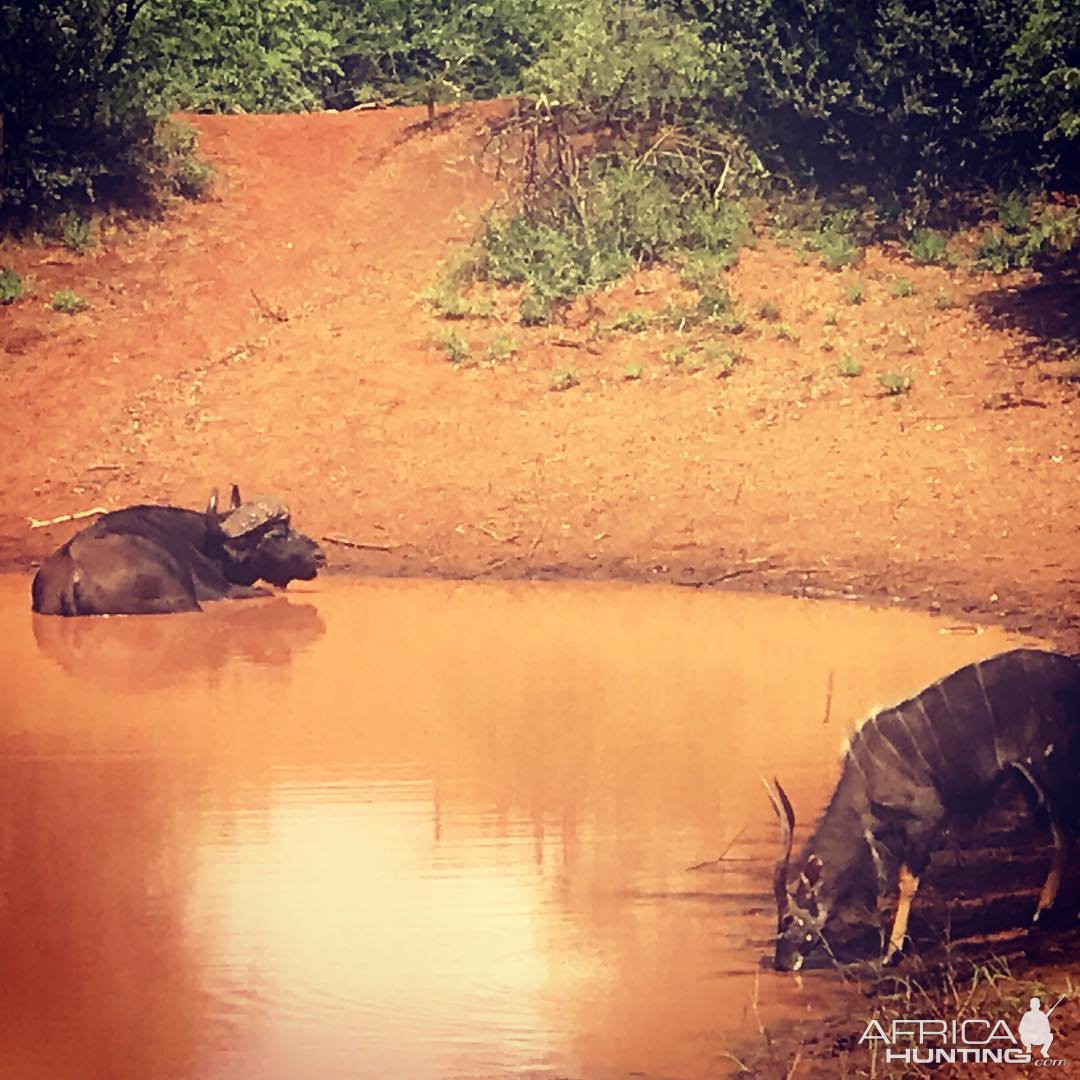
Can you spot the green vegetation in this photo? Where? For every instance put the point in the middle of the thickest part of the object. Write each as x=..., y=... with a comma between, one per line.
x=785, y=333
x=928, y=247
x=849, y=367
x=457, y=349
x=769, y=311
x=564, y=380
x=68, y=302
x=855, y=292
x=11, y=286
x=501, y=347
x=74, y=231
x=837, y=249
x=646, y=130
x=896, y=382
x=720, y=358
x=1029, y=233
x=632, y=372
x=902, y=287
x=633, y=322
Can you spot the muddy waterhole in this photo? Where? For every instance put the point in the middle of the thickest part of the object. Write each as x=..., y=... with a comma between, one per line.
x=419, y=829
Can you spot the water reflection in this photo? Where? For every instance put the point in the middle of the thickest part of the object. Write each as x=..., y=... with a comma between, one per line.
x=155, y=651
x=447, y=838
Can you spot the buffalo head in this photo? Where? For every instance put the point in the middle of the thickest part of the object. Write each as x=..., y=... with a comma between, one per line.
x=257, y=542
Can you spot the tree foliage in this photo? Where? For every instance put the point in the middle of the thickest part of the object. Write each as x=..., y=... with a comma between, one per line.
x=898, y=96
x=75, y=124
x=906, y=93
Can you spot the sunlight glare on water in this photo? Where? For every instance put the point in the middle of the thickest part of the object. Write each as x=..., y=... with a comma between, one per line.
x=416, y=829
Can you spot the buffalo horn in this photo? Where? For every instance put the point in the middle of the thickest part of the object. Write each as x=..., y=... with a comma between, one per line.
x=211, y=506
x=251, y=516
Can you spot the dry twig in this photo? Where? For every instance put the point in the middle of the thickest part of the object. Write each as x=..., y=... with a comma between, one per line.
x=77, y=516
x=360, y=545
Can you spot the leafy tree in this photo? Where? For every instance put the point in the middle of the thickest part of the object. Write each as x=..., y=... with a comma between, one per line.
x=903, y=93
x=74, y=112
x=434, y=50
x=253, y=55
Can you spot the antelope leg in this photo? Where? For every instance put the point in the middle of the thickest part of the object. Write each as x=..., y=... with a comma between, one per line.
x=909, y=883
x=1057, y=868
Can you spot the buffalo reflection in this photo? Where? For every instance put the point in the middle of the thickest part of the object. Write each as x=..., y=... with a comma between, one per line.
x=154, y=651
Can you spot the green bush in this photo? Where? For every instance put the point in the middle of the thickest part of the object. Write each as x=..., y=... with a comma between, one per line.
x=906, y=96
x=457, y=349
x=11, y=286
x=83, y=84
x=928, y=247
x=68, y=302
x=432, y=50
x=1026, y=236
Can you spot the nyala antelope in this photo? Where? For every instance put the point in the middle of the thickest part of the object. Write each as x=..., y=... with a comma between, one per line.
x=913, y=769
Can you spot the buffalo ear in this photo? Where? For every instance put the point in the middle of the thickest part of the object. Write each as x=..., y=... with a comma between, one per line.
x=211, y=506
x=234, y=497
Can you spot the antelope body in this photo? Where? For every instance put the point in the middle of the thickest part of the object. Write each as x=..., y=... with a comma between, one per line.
x=911, y=770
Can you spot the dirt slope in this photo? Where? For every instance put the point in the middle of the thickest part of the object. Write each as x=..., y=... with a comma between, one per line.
x=275, y=336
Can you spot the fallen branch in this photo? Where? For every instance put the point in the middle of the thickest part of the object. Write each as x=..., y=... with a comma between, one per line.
x=278, y=314
x=360, y=545
x=536, y=542
x=719, y=858
x=511, y=539
x=78, y=515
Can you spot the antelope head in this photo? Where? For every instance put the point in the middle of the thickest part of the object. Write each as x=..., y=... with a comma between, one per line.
x=800, y=914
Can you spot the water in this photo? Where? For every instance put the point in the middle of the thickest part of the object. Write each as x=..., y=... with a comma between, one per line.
x=418, y=830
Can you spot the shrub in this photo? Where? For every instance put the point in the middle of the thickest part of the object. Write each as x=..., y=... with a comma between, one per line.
x=246, y=55
x=849, y=367
x=68, y=302
x=836, y=248
x=84, y=84
x=564, y=380
x=906, y=96
x=631, y=321
x=1027, y=236
x=927, y=246
x=902, y=287
x=855, y=292
x=457, y=349
x=74, y=230
x=896, y=382
x=500, y=348
x=11, y=286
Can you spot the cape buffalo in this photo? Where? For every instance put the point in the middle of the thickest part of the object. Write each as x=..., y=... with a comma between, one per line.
x=149, y=560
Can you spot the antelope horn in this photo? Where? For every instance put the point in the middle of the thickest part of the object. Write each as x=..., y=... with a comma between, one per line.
x=782, y=805
x=234, y=497
x=211, y=506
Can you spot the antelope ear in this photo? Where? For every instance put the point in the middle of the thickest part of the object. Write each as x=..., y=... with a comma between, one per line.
x=234, y=497
x=211, y=506
x=813, y=871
